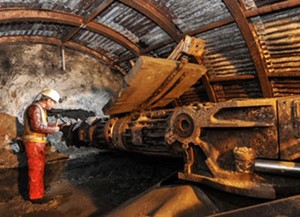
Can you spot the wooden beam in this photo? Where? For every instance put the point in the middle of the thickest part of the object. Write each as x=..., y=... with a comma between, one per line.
x=248, y=32
x=149, y=10
x=63, y=59
x=55, y=41
x=13, y=15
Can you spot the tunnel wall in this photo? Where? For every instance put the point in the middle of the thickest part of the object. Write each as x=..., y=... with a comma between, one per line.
x=26, y=69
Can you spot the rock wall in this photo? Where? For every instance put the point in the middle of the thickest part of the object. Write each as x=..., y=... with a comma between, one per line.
x=26, y=69
x=8, y=136
x=86, y=84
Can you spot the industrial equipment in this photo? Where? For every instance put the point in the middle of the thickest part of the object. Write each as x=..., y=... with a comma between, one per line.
x=232, y=145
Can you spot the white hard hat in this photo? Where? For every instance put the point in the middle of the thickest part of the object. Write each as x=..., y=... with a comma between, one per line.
x=51, y=93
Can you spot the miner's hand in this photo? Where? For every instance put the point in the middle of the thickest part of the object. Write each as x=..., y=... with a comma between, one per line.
x=63, y=125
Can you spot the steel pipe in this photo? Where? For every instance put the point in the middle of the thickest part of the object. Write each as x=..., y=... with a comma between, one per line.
x=277, y=167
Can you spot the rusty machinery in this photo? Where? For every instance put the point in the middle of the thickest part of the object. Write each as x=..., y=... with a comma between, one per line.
x=228, y=145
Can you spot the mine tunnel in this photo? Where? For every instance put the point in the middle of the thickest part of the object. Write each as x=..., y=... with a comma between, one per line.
x=165, y=108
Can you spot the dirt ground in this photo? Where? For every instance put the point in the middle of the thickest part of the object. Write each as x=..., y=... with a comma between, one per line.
x=82, y=183
x=100, y=185
x=93, y=188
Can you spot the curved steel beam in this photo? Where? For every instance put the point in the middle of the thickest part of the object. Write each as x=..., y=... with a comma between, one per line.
x=12, y=15
x=272, y=8
x=149, y=10
x=101, y=7
x=254, y=47
x=58, y=42
x=250, y=13
x=94, y=13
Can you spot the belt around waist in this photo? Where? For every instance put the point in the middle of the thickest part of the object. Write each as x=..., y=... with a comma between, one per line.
x=35, y=138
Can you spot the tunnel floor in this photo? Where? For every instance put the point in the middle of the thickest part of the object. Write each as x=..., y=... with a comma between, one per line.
x=95, y=188
x=90, y=188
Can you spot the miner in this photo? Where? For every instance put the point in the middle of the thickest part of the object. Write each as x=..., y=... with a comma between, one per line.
x=36, y=128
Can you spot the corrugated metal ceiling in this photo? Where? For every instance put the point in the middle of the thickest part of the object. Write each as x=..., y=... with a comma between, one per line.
x=119, y=31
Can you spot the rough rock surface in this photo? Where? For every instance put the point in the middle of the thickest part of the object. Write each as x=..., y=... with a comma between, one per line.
x=86, y=85
x=26, y=69
x=8, y=139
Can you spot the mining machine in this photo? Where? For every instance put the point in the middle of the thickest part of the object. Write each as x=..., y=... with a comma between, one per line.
x=248, y=147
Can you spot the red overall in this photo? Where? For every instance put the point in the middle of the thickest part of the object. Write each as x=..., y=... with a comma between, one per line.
x=35, y=131
x=36, y=163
